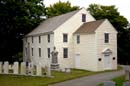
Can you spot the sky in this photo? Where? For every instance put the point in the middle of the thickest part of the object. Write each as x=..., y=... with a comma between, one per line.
x=122, y=5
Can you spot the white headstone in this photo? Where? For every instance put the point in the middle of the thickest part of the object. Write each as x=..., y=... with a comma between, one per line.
x=15, y=67
x=6, y=67
x=0, y=67
x=48, y=71
x=38, y=70
x=23, y=68
x=67, y=70
x=30, y=68
x=62, y=69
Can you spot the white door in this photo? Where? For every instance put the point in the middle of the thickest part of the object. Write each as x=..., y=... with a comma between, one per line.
x=77, y=61
x=107, y=61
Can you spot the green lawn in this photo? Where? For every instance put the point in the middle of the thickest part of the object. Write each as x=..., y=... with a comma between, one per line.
x=11, y=80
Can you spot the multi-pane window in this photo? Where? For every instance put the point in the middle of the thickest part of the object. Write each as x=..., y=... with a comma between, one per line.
x=32, y=39
x=106, y=37
x=65, y=37
x=32, y=51
x=78, y=39
x=39, y=50
x=65, y=52
x=48, y=38
x=83, y=17
x=39, y=39
x=48, y=50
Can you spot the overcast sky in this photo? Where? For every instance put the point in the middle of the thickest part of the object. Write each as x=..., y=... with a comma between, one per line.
x=122, y=5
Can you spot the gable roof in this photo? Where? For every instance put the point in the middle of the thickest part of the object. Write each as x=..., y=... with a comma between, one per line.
x=51, y=24
x=90, y=27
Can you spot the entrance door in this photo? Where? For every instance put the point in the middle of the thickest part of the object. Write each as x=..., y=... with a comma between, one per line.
x=77, y=61
x=107, y=61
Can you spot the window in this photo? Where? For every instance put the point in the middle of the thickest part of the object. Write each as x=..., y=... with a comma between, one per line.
x=32, y=39
x=65, y=52
x=48, y=50
x=48, y=38
x=32, y=51
x=78, y=39
x=39, y=39
x=83, y=17
x=39, y=52
x=65, y=37
x=106, y=37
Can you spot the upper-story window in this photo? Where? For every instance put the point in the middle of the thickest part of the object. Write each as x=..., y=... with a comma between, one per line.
x=48, y=38
x=65, y=52
x=39, y=50
x=78, y=39
x=39, y=39
x=32, y=39
x=83, y=17
x=32, y=51
x=106, y=37
x=65, y=37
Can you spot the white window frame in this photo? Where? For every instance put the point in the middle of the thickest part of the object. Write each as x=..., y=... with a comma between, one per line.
x=78, y=39
x=65, y=40
x=65, y=53
x=106, y=37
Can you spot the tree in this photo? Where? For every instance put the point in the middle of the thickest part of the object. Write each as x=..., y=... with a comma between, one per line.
x=60, y=8
x=121, y=25
x=17, y=18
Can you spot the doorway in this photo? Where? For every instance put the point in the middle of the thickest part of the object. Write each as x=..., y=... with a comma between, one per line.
x=77, y=61
x=107, y=61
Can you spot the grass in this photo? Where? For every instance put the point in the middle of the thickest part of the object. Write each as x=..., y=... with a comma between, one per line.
x=13, y=80
x=119, y=81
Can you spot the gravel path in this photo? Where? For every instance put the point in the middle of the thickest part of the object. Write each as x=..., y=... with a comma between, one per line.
x=93, y=80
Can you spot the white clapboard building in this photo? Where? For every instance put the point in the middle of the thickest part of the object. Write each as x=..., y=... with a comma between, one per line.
x=78, y=39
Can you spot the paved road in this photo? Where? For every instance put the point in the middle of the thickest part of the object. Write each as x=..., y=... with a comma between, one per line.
x=93, y=80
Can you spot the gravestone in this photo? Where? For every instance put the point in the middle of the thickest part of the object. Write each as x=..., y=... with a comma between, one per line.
x=38, y=70
x=30, y=68
x=67, y=70
x=10, y=69
x=62, y=69
x=0, y=67
x=126, y=83
x=6, y=67
x=48, y=71
x=23, y=68
x=15, y=67
x=108, y=83
x=54, y=60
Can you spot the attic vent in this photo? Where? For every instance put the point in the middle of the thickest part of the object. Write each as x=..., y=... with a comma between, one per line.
x=83, y=17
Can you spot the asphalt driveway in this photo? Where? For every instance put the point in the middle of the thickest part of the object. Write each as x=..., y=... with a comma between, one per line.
x=93, y=80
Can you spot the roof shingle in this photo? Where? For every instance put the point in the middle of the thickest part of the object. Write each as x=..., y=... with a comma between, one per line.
x=89, y=27
x=51, y=24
